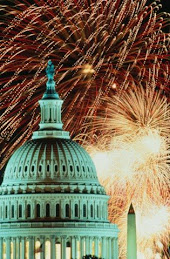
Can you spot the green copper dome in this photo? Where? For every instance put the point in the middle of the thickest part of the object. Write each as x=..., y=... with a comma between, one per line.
x=52, y=205
x=51, y=159
x=62, y=163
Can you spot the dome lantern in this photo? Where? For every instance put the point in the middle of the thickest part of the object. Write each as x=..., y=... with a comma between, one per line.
x=50, y=125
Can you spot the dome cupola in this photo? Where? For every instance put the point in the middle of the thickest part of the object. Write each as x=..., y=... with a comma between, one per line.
x=50, y=104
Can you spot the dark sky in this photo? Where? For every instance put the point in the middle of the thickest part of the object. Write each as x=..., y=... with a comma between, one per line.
x=165, y=5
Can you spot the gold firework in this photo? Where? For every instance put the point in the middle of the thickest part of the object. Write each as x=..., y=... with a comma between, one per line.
x=134, y=144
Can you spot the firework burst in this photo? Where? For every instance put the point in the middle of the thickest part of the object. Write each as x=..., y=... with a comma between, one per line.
x=97, y=48
x=135, y=126
x=134, y=143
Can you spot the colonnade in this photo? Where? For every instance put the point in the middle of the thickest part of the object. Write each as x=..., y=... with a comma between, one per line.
x=63, y=247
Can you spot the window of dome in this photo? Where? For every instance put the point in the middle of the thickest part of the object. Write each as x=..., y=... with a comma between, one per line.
x=32, y=168
x=64, y=168
x=91, y=211
x=40, y=168
x=38, y=210
x=84, y=210
x=48, y=210
x=48, y=168
x=6, y=211
x=12, y=211
x=26, y=167
x=83, y=168
x=19, y=169
x=71, y=168
x=67, y=210
x=77, y=168
x=57, y=210
x=76, y=210
x=28, y=210
x=20, y=211
x=56, y=168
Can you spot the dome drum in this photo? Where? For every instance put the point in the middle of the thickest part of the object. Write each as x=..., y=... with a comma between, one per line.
x=53, y=207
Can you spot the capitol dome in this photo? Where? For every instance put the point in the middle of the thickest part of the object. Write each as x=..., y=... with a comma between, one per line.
x=45, y=164
x=52, y=205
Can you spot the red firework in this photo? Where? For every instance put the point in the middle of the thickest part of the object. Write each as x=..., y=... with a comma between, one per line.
x=97, y=47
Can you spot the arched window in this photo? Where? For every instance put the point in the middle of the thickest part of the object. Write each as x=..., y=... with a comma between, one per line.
x=57, y=210
x=67, y=210
x=12, y=211
x=76, y=210
x=84, y=210
x=38, y=210
x=91, y=211
x=20, y=211
x=28, y=210
x=48, y=168
x=47, y=210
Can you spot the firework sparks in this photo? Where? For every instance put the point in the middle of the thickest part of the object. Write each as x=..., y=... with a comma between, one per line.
x=137, y=127
x=97, y=48
x=135, y=146
x=153, y=220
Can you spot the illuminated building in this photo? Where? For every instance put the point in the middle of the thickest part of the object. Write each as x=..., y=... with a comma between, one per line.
x=51, y=203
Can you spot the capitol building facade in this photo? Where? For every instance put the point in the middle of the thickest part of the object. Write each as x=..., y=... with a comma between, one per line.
x=52, y=205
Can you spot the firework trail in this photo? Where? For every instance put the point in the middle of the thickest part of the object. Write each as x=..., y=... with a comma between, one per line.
x=98, y=48
x=135, y=126
x=134, y=146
